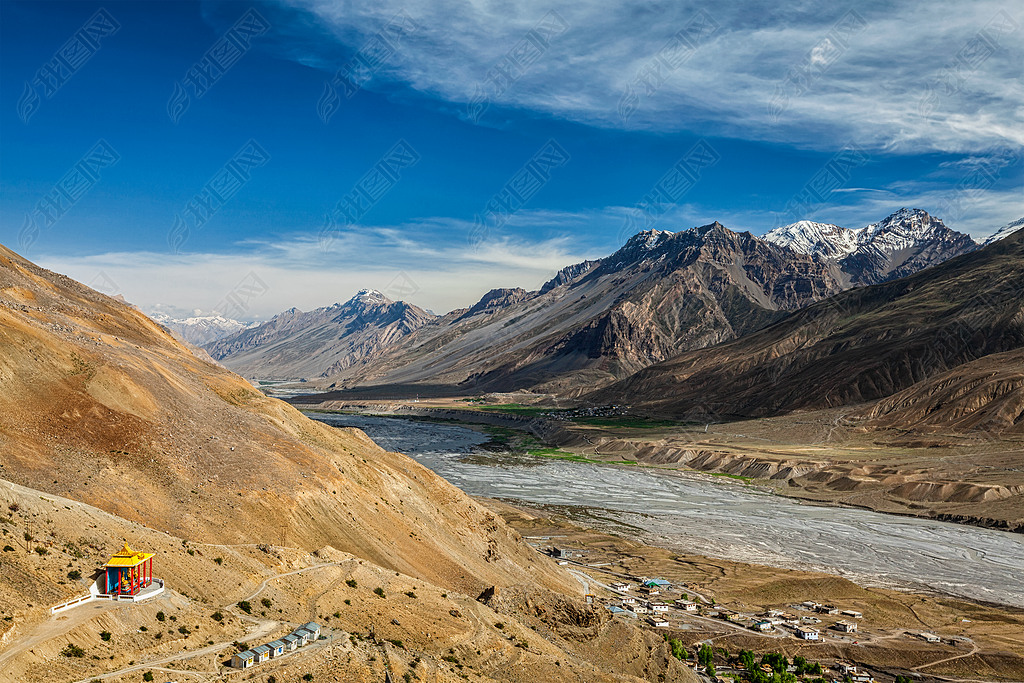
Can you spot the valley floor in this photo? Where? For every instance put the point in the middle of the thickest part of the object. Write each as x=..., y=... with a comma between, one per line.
x=976, y=641
x=825, y=457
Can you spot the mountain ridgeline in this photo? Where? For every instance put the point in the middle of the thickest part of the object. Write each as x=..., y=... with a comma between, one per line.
x=941, y=348
x=596, y=322
x=322, y=342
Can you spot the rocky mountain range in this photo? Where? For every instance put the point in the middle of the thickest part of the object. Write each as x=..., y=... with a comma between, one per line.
x=941, y=346
x=322, y=342
x=201, y=329
x=899, y=245
x=599, y=321
x=594, y=321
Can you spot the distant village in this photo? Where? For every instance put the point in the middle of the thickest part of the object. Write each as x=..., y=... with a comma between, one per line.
x=662, y=605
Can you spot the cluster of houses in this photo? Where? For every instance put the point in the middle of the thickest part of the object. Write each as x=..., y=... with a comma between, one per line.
x=648, y=604
x=307, y=633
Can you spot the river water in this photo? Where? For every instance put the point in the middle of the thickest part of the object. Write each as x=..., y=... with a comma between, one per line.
x=729, y=521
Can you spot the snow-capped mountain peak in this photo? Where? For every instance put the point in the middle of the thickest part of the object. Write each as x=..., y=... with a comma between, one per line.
x=1005, y=231
x=815, y=239
x=648, y=239
x=369, y=296
x=902, y=230
x=201, y=329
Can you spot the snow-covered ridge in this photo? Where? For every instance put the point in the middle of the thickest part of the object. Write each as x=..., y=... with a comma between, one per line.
x=816, y=239
x=1005, y=231
x=201, y=329
x=905, y=229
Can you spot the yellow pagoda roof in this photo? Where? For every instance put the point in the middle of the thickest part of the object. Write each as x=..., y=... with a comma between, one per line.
x=126, y=557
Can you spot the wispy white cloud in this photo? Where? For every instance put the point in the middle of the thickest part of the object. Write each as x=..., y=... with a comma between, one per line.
x=887, y=85
x=401, y=261
x=432, y=263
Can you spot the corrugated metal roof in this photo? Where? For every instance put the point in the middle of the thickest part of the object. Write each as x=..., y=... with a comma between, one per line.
x=248, y=654
x=274, y=644
x=261, y=649
x=291, y=637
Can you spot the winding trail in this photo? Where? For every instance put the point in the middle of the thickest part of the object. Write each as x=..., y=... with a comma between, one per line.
x=974, y=649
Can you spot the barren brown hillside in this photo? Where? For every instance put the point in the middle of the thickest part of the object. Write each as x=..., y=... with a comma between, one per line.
x=99, y=404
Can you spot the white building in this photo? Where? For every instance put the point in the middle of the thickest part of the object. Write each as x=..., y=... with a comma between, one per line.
x=276, y=648
x=658, y=622
x=806, y=633
x=262, y=653
x=846, y=626
x=243, y=660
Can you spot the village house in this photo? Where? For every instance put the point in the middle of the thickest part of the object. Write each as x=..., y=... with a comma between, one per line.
x=305, y=636
x=810, y=605
x=806, y=633
x=648, y=591
x=928, y=637
x=845, y=626
x=620, y=586
x=262, y=653
x=687, y=606
x=291, y=642
x=827, y=609
x=628, y=600
x=243, y=660
x=658, y=622
x=774, y=613
x=276, y=648
x=763, y=626
x=853, y=614
x=658, y=606
x=615, y=610
x=313, y=628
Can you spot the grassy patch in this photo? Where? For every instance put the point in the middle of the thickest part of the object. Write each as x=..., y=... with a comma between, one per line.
x=558, y=454
x=515, y=409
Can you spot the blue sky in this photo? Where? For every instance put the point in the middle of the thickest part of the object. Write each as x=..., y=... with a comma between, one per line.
x=922, y=102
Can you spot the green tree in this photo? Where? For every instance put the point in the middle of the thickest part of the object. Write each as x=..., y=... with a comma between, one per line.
x=706, y=657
